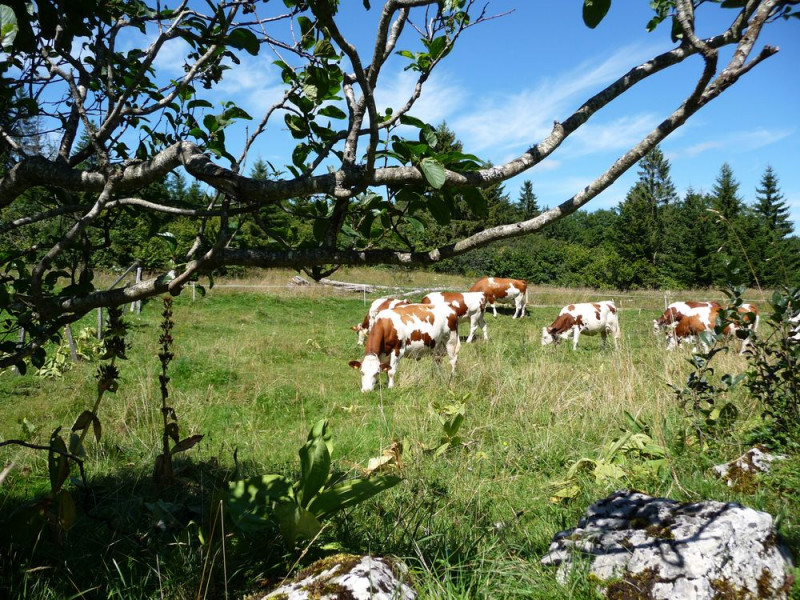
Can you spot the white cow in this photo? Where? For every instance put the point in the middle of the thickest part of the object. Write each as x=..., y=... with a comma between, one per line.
x=468, y=305
x=590, y=318
x=794, y=328
x=498, y=289
x=676, y=311
x=377, y=306
x=412, y=329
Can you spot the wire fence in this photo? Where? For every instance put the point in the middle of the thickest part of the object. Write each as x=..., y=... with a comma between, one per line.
x=536, y=298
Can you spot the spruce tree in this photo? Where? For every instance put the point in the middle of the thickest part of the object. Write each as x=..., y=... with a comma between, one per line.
x=527, y=202
x=728, y=212
x=774, y=228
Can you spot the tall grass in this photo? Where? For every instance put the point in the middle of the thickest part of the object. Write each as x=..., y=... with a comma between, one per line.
x=254, y=368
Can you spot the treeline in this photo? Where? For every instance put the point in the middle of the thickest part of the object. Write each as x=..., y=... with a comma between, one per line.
x=653, y=239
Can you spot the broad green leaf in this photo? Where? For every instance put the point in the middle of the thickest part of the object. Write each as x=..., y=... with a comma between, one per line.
x=413, y=121
x=8, y=27
x=171, y=240
x=296, y=522
x=320, y=229
x=67, y=513
x=315, y=464
x=83, y=420
x=434, y=172
x=250, y=500
x=565, y=493
x=245, y=40
x=476, y=201
x=594, y=11
x=333, y=112
x=350, y=493
x=438, y=210
x=607, y=471
x=57, y=463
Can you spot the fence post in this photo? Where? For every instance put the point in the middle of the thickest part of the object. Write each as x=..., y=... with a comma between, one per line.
x=73, y=352
x=20, y=342
x=193, y=291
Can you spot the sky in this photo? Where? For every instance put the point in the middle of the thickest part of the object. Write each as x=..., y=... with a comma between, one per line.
x=509, y=78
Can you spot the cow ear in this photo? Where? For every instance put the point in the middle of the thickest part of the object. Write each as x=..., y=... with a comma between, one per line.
x=385, y=367
x=356, y=364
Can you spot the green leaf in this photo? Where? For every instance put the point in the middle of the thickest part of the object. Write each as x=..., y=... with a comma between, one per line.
x=171, y=240
x=57, y=463
x=594, y=11
x=350, y=493
x=434, y=172
x=245, y=40
x=83, y=420
x=67, y=513
x=315, y=464
x=333, y=112
x=296, y=522
x=250, y=500
x=476, y=201
x=297, y=126
x=320, y=229
x=438, y=210
x=8, y=27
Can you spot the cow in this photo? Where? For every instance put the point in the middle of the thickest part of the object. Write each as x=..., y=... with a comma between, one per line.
x=590, y=318
x=412, y=329
x=377, y=306
x=468, y=305
x=676, y=311
x=498, y=289
x=693, y=325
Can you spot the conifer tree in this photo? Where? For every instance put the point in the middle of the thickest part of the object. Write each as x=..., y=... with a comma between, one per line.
x=774, y=227
x=527, y=202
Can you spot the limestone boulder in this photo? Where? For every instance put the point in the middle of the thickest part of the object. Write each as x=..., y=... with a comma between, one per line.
x=644, y=547
x=348, y=577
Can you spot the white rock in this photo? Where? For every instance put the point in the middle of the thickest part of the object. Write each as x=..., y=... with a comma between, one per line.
x=347, y=576
x=755, y=460
x=661, y=548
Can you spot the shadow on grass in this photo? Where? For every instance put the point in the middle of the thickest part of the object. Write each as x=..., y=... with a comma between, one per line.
x=131, y=539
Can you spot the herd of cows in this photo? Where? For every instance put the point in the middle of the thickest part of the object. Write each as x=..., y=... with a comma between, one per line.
x=395, y=327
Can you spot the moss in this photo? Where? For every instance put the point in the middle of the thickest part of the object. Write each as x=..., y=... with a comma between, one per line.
x=725, y=590
x=634, y=586
x=764, y=584
x=346, y=561
x=661, y=532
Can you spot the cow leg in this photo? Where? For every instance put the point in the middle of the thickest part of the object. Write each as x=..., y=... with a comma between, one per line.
x=473, y=326
x=393, y=361
x=604, y=335
x=575, y=335
x=453, y=346
x=494, y=310
x=482, y=323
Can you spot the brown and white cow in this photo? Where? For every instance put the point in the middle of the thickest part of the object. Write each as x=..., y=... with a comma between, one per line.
x=794, y=328
x=468, y=306
x=377, y=306
x=589, y=318
x=498, y=289
x=411, y=329
x=691, y=326
x=676, y=311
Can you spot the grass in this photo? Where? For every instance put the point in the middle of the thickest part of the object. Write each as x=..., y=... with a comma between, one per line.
x=255, y=368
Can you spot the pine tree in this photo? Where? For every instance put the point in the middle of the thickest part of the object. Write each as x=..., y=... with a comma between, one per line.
x=774, y=228
x=639, y=233
x=527, y=203
x=728, y=210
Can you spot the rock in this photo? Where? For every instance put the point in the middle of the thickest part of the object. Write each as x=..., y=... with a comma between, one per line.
x=345, y=576
x=739, y=473
x=644, y=547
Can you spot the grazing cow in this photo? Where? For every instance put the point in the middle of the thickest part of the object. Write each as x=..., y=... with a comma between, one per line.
x=369, y=319
x=676, y=311
x=590, y=318
x=468, y=305
x=412, y=329
x=694, y=324
x=498, y=289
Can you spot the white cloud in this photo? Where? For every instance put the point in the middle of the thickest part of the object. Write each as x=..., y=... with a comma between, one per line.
x=440, y=98
x=745, y=140
x=519, y=120
x=618, y=134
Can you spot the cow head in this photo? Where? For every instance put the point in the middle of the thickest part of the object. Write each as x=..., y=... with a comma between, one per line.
x=362, y=334
x=370, y=368
x=548, y=337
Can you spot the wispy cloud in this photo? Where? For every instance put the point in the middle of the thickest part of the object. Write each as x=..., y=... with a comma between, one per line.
x=618, y=134
x=746, y=140
x=518, y=120
x=440, y=99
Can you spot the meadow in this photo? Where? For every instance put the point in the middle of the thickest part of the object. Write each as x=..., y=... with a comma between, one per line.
x=256, y=367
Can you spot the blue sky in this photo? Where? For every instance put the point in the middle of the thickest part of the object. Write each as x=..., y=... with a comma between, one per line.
x=509, y=78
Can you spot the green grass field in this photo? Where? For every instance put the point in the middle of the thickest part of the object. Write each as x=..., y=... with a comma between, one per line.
x=255, y=368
